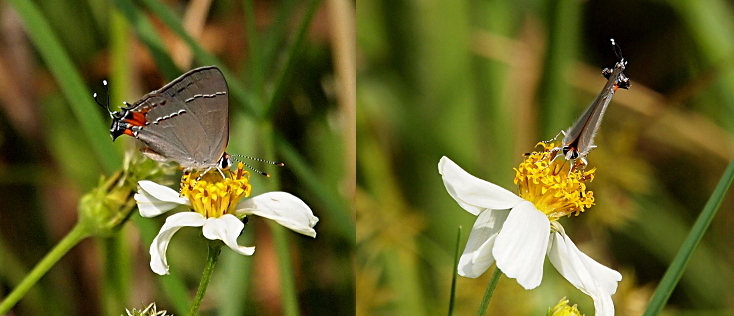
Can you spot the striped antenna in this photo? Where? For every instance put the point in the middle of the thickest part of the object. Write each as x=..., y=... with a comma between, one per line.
x=279, y=164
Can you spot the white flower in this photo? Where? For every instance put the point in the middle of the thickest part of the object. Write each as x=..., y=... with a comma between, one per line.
x=515, y=233
x=218, y=209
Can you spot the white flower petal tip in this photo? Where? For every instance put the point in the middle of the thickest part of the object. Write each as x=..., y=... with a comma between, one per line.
x=158, y=247
x=226, y=228
x=474, y=194
x=589, y=276
x=522, y=244
x=284, y=208
x=154, y=199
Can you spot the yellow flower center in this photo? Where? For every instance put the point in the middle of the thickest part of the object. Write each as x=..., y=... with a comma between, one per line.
x=213, y=196
x=554, y=186
x=562, y=309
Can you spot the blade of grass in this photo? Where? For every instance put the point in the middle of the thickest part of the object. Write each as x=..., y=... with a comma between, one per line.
x=233, y=281
x=257, y=71
x=276, y=34
x=285, y=267
x=282, y=245
x=118, y=262
x=121, y=72
x=557, y=95
x=146, y=32
x=339, y=212
x=702, y=281
x=293, y=50
x=235, y=87
x=231, y=285
x=117, y=273
x=70, y=82
x=678, y=266
x=457, y=254
x=495, y=106
x=711, y=26
x=399, y=265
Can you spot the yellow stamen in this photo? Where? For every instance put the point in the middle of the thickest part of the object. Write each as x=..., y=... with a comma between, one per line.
x=213, y=196
x=563, y=309
x=554, y=186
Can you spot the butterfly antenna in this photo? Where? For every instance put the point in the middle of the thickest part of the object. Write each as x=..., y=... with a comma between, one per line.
x=275, y=163
x=279, y=164
x=617, y=50
x=256, y=170
x=107, y=91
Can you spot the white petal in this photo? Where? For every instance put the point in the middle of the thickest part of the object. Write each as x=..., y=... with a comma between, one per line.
x=226, y=228
x=282, y=207
x=155, y=199
x=158, y=247
x=521, y=245
x=603, y=304
x=472, y=193
x=477, y=256
x=566, y=255
x=606, y=276
x=584, y=273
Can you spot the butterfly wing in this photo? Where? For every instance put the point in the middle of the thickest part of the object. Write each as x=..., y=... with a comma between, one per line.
x=188, y=119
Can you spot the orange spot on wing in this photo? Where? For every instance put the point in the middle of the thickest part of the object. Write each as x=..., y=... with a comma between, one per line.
x=137, y=119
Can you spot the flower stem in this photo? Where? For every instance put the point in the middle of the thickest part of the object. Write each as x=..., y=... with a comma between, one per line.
x=490, y=290
x=79, y=232
x=215, y=248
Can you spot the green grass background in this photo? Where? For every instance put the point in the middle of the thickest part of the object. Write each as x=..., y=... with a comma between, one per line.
x=482, y=82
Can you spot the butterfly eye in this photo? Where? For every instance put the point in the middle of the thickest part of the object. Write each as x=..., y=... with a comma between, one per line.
x=225, y=162
x=574, y=153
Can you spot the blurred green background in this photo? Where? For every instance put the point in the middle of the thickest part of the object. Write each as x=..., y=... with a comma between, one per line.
x=482, y=82
x=290, y=70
